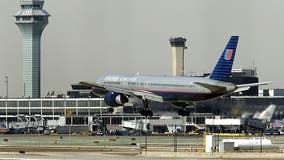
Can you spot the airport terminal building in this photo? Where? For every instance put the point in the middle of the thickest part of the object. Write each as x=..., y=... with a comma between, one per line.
x=51, y=108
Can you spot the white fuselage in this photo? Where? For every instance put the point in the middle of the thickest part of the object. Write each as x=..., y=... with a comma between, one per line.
x=171, y=88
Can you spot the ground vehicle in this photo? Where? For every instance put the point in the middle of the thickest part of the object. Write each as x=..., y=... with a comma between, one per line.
x=271, y=131
x=281, y=130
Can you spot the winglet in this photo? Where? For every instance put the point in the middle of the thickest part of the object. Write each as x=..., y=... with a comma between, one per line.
x=222, y=70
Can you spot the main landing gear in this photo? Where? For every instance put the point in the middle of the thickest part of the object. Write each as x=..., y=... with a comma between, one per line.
x=146, y=111
x=183, y=111
x=110, y=110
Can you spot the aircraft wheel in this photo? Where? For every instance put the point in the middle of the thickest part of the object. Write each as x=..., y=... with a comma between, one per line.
x=146, y=113
x=183, y=112
x=180, y=112
x=111, y=110
x=142, y=112
x=149, y=113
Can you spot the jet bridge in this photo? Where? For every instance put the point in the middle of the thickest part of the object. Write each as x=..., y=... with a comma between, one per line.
x=28, y=123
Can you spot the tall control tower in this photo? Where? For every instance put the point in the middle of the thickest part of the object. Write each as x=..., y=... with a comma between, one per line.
x=31, y=20
x=178, y=46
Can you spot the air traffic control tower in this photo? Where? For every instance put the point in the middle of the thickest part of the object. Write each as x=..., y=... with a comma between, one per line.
x=31, y=20
x=178, y=46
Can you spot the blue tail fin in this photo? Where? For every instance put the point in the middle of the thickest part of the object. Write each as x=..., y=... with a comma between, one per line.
x=222, y=70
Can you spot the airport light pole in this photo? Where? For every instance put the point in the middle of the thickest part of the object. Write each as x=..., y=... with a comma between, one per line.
x=175, y=138
x=6, y=110
x=70, y=132
x=147, y=131
x=89, y=112
x=261, y=140
x=141, y=127
x=7, y=94
x=101, y=108
x=213, y=130
x=146, y=140
x=7, y=83
x=69, y=114
x=217, y=146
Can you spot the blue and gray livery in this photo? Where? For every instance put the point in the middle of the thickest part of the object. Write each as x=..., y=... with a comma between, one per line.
x=118, y=88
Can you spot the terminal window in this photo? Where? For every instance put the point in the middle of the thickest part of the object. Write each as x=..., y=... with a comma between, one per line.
x=47, y=103
x=70, y=103
x=23, y=104
x=12, y=104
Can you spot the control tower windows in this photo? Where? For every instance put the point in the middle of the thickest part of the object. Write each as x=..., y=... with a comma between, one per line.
x=38, y=18
x=26, y=18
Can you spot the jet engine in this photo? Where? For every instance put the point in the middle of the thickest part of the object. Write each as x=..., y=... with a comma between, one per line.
x=114, y=99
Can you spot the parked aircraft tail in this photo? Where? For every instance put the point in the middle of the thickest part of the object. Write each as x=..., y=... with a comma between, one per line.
x=266, y=114
x=222, y=70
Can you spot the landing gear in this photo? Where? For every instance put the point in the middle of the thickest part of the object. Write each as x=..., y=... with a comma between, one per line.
x=183, y=112
x=146, y=112
x=110, y=110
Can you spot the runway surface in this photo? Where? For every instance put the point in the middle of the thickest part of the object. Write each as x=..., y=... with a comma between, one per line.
x=118, y=147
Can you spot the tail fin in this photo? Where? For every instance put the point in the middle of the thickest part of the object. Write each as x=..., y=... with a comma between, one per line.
x=267, y=113
x=222, y=70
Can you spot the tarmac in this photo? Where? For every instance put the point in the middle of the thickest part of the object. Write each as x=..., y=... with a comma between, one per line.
x=144, y=156
x=73, y=147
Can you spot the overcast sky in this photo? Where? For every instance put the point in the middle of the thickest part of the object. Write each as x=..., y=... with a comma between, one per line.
x=88, y=38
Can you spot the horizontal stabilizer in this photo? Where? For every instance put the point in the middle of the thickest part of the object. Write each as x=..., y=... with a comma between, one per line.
x=244, y=87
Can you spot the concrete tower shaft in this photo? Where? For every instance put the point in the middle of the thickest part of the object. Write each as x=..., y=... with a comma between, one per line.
x=178, y=46
x=32, y=20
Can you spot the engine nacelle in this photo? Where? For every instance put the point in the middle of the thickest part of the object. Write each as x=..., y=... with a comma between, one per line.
x=114, y=99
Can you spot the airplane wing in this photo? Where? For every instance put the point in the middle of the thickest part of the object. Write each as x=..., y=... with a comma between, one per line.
x=149, y=95
x=136, y=93
x=91, y=84
x=126, y=91
x=244, y=87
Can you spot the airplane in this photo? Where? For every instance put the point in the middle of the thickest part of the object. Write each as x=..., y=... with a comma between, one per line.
x=265, y=115
x=3, y=128
x=178, y=90
x=260, y=120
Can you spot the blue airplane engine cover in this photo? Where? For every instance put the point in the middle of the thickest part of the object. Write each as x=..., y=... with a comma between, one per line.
x=114, y=99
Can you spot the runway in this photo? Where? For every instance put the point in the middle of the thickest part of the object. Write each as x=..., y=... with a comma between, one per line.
x=144, y=156
x=122, y=147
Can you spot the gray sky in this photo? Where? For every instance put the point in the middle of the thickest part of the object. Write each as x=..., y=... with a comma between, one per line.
x=88, y=38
